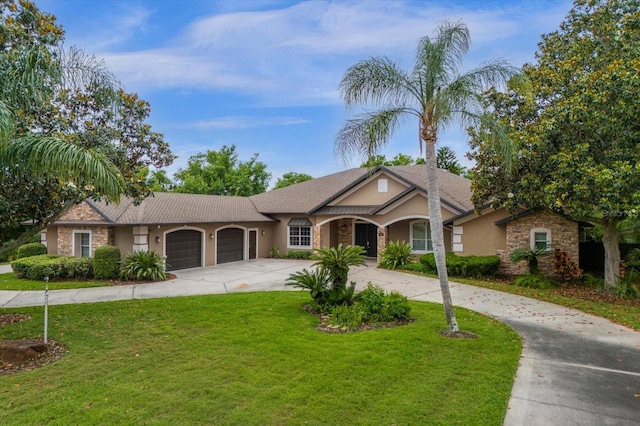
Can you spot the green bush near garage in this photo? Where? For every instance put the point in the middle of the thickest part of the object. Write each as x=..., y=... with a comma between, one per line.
x=106, y=262
x=31, y=249
x=52, y=266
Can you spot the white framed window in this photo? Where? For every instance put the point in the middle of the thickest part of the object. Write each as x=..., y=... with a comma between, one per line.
x=540, y=238
x=82, y=243
x=299, y=233
x=421, y=237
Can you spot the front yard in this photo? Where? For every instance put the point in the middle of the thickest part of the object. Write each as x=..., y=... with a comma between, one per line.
x=257, y=358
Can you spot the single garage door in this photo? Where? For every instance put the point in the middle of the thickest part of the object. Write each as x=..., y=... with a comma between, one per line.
x=230, y=245
x=184, y=249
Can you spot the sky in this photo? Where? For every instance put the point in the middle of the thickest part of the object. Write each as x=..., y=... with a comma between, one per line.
x=263, y=75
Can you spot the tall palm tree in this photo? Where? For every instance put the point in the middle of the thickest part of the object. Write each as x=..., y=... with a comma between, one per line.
x=436, y=93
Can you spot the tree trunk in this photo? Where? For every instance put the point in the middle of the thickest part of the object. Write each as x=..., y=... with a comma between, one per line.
x=610, y=237
x=437, y=235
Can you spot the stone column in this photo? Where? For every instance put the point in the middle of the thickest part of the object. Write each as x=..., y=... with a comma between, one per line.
x=140, y=238
x=317, y=237
x=383, y=240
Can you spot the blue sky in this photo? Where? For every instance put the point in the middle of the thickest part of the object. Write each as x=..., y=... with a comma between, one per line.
x=263, y=74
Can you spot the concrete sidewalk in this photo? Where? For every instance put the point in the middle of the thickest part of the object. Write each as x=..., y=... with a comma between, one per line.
x=575, y=369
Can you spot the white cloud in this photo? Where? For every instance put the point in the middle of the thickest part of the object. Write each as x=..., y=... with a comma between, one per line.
x=247, y=122
x=296, y=55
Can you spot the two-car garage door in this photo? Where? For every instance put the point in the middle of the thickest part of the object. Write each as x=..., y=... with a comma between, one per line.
x=184, y=247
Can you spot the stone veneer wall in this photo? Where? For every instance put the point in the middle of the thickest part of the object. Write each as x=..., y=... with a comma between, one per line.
x=99, y=237
x=345, y=237
x=383, y=240
x=564, y=235
x=80, y=211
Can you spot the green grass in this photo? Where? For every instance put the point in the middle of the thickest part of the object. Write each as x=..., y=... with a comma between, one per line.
x=257, y=359
x=8, y=281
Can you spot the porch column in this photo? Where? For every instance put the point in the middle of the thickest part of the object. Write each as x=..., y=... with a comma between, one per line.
x=383, y=240
x=140, y=238
x=317, y=237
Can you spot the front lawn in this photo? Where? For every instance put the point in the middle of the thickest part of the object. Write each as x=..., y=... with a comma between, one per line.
x=8, y=281
x=257, y=359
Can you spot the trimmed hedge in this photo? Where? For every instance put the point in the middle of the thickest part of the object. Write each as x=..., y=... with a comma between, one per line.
x=464, y=266
x=53, y=266
x=31, y=249
x=106, y=262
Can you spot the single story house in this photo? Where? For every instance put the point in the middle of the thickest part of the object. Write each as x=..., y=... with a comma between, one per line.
x=356, y=206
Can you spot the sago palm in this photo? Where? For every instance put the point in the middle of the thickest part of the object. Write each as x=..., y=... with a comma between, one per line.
x=435, y=93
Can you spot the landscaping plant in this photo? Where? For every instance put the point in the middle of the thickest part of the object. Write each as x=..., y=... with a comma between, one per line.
x=106, y=262
x=531, y=256
x=337, y=261
x=31, y=249
x=395, y=255
x=564, y=267
x=143, y=265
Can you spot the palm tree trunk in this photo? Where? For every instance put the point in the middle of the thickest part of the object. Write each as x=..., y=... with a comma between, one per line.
x=437, y=235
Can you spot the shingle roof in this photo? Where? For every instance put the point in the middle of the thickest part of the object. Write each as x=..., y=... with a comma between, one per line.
x=307, y=196
x=302, y=198
x=168, y=207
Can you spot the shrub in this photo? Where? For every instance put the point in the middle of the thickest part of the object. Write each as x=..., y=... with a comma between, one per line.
x=627, y=286
x=31, y=249
x=338, y=260
x=396, y=254
x=298, y=254
x=37, y=267
x=316, y=281
x=143, y=265
x=531, y=256
x=416, y=267
x=76, y=267
x=274, y=253
x=106, y=262
x=566, y=269
x=463, y=266
x=534, y=281
x=372, y=306
x=591, y=281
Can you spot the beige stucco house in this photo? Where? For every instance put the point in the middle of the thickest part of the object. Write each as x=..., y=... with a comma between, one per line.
x=356, y=206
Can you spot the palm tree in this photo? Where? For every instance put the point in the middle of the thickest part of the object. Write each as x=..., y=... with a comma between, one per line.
x=433, y=91
x=28, y=77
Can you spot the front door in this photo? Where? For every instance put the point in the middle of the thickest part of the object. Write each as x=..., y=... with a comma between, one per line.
x=253, y=244
x=367, y=237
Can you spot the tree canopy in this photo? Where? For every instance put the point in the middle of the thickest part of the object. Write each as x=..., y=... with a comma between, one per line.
x=397, y=160
x=575, y=127
x=436, y=94
x=221, y=173
x=68, y=131
x=291, y=178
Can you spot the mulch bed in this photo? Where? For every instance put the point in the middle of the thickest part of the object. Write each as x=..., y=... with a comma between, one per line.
x=54, y=352
x=593, y=295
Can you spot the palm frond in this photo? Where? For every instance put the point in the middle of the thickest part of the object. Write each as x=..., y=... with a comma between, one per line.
x=376, y=81
x=78, y=69
x=366, y=134
x=64, y=159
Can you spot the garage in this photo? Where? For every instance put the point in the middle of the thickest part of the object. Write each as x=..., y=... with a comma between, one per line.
x=230, y=245
x=184, y=249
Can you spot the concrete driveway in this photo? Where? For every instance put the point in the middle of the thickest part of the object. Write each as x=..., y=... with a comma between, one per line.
x=575, y=369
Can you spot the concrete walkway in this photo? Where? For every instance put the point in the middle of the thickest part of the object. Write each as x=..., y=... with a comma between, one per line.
x=575, y=369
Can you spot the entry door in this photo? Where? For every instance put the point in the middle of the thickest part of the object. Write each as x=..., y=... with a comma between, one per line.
x=367, y=237
x=253, y=244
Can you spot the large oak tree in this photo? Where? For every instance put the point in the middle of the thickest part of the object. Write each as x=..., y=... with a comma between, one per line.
x=576, y=127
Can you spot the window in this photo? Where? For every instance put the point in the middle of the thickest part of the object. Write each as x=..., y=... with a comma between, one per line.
x=299, y=233
x=81, y=244
x=540, y=239
x=383, y=185
x=299, y=236
x=421, y=237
